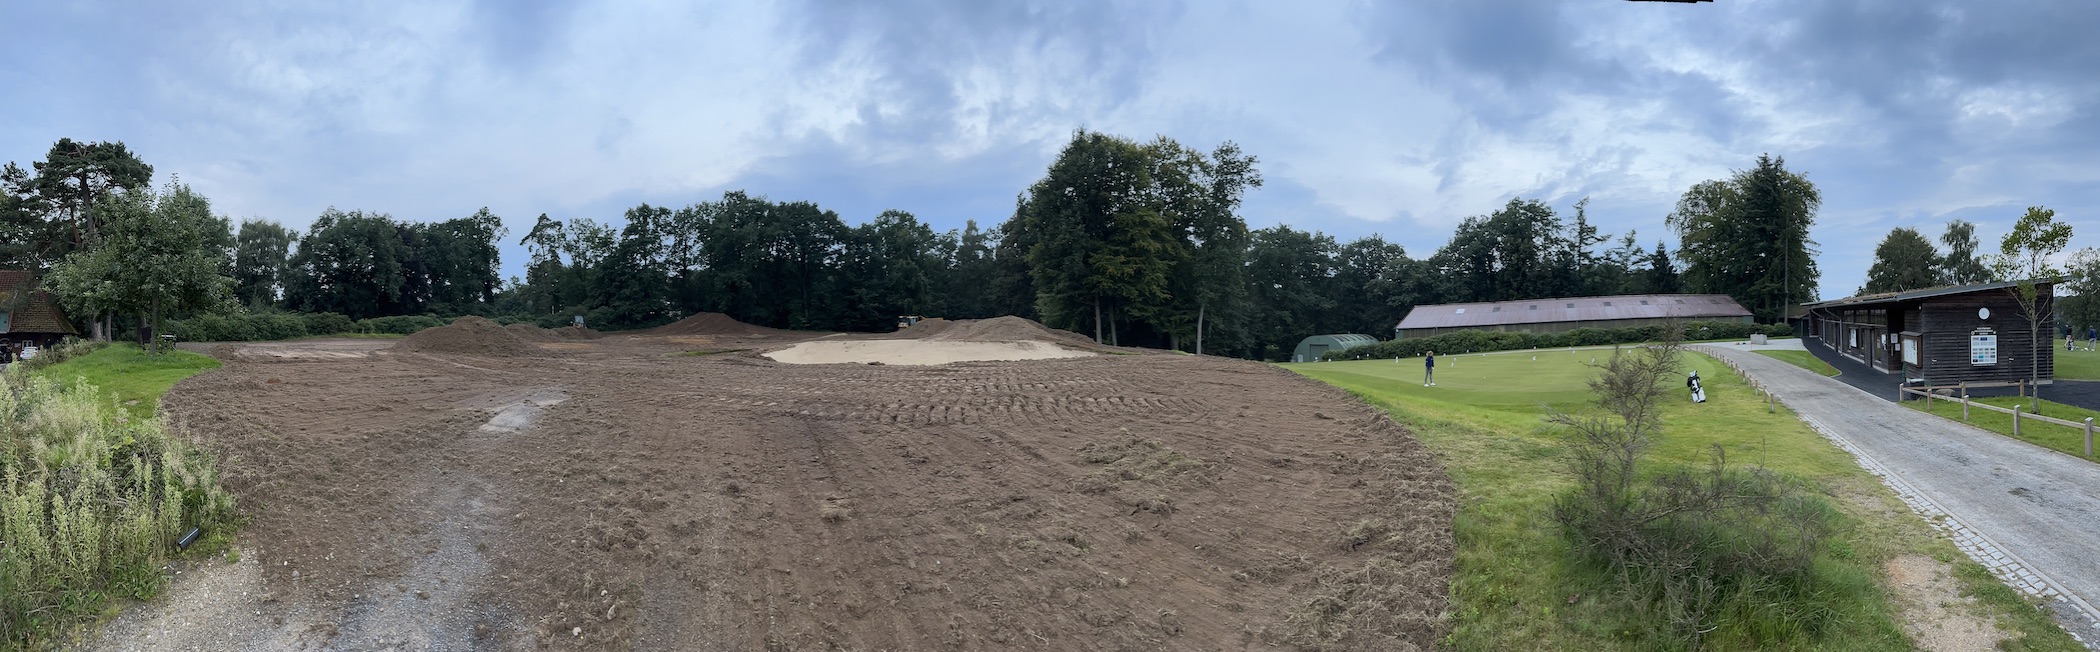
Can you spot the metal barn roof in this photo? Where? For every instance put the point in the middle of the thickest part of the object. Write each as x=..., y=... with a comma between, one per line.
x=1544, y=311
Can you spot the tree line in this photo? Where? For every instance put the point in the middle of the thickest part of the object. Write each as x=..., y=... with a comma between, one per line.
x=1137, y=243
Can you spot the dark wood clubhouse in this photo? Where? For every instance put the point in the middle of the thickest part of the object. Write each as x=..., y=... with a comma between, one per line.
x=1941, y=336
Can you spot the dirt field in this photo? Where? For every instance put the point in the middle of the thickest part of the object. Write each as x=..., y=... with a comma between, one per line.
x=619, y=492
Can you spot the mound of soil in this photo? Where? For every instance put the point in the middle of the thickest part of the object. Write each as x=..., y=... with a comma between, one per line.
x=576, y=333
x=1003, y=329
x=469, y=335
x=531, y=333
x=712, y=323
x=996, y=329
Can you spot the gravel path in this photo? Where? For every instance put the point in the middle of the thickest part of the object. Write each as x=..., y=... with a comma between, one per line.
x=2030, y=514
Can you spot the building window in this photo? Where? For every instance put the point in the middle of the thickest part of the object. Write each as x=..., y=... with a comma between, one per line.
x=1607, y=304
x=1461, y=311
x=1571, y=305
x=1680, y=301
x=1644, y=303
x=1497, y=309
x=1534, y=306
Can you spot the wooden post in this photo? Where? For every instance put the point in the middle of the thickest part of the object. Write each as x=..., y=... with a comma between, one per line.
x=1964, y=402
x=1928, y=399
x=2088, y=436
x=2016, y=419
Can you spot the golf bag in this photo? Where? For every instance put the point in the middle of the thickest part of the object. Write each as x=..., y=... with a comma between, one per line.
x=1698, y=393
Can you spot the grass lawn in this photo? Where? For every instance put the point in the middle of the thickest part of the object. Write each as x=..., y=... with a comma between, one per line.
x=2048, y=435
x=2076, y=365
x=1802, y=359
x=127, y=375
x=1517, y=586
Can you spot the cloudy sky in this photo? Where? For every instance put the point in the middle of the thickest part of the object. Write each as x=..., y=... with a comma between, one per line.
x=1392, y=118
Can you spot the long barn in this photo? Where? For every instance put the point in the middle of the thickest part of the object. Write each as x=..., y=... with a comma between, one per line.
x=1943, y=336
x=1566, y=314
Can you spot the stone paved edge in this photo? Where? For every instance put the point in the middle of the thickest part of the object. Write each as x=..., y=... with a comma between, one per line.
x=2007, y=566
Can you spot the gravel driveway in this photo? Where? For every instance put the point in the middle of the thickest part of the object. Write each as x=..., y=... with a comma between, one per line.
x=2030, y=514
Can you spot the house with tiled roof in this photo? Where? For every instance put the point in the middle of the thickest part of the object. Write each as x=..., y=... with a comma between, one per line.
x=29, y=313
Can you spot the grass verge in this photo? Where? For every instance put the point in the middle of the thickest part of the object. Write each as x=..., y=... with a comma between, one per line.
x=93, y=494
x=127, y=375
x=2046, y=435
x=1517, y=585
x=1802, y=359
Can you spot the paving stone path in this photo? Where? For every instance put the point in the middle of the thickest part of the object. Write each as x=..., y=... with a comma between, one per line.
x=2030, y=514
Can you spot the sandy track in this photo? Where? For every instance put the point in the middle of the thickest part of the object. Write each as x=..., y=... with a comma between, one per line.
x=635, y=498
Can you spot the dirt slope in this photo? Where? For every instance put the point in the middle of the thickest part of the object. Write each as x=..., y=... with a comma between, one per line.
x=468, y=335
x=730, y=502
x=713, y=323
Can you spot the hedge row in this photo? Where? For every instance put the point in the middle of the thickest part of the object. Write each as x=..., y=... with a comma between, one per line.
x=280, y=326
x=1480, y=341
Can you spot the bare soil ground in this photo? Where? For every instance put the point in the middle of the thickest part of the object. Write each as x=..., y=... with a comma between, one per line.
x=612, y=493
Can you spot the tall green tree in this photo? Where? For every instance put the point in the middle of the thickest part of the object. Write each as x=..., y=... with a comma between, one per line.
x=1661, y=276
x=1288, y=298
x=262, y=251
x=2024, y=257
x=461, y=259
x=153, y=255
x=1962, y=265
x=633, y=283
x=74, y=177
x=1099, y=241
x=1748, y=237
x=1905, y=260
x=353, y=263
x=2081, y=280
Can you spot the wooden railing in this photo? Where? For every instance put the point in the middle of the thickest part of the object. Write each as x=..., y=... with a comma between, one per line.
x=1930, y=393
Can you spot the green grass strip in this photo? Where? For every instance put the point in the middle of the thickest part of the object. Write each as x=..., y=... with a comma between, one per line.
x=1802, y=359
x=1517, y=586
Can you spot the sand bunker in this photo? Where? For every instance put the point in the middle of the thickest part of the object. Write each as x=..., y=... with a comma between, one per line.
x=712, y=323
x=918, y=352
x=469, y=335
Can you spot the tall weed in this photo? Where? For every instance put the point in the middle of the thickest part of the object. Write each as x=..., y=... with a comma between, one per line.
x=91, y=502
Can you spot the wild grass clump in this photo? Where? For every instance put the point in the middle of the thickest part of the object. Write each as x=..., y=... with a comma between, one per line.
x=1694, y=551
x=92, y=500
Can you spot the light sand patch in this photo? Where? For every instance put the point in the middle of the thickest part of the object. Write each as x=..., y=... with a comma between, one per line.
x=918, y=352
x=1935, y=614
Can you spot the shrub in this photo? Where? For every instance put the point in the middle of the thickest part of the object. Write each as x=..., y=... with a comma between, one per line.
x=66, y=349
x=401, y=325
x=1686, y=545
x=327, y=323
x=90, y=504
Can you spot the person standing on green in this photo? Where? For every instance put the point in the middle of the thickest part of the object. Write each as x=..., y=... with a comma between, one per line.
x=1429, y=370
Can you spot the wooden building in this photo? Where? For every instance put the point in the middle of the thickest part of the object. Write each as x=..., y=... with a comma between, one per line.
x=1942, y=336
x=28, y=314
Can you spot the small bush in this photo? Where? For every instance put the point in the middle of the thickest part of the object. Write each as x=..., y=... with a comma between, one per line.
x=1687, y=546
x=327, y=323
x=66, y=349
x=401, y=325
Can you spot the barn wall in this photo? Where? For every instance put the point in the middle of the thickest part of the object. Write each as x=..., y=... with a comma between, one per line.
x=1946, y=323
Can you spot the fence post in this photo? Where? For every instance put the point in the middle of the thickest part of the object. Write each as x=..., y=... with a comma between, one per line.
x=2088, y=436
x=1928, y=399
x=1964, y=402
x=2016, y=419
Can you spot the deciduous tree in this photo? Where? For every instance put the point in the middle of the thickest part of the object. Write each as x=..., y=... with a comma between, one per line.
x=1905, y=260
